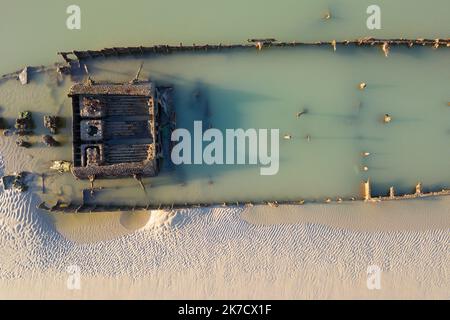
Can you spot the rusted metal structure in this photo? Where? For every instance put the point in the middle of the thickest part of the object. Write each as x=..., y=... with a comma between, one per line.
x=115, y=130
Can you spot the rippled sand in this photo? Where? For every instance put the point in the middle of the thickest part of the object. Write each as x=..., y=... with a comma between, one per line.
x=316, y=251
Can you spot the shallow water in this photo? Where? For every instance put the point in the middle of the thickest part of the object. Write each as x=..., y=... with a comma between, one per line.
x=250, y=89
x=342, y=122
x=31, y=32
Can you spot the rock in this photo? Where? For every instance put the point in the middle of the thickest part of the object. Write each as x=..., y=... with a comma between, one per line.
x=8, y=133
x=15, y=182
x=49, y=141
x=51, y=122
x=23, y=76
x=61, y=166
x=24, y=123
x=22, y=143
x=63, y=70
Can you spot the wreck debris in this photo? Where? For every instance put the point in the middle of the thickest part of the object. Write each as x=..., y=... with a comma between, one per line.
x=266, y=41
x=366, y=190
x=333, y=43
x=272, y=204
x=436, y=43
x=24, y=123
x=92, y=107
x=391, y=193
x=385, y=47
x=51, y=122
x=49, y=141
x=15, y=181
x=387, y=118
x=43, y=182
x=136, y=77
x=89, y=80
x=23, y=76
x=299, y=114
x=91, y=180
x=138, y=178
x=76, y=56
x=419, y=188
x=22, y=143
x=63, y=70
x=61, y=166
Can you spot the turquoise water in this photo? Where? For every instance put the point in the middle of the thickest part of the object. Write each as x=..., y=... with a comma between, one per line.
x=251, y=89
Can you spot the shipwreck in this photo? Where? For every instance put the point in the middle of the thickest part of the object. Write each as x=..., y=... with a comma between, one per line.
x=115, y=130
x=122, y=130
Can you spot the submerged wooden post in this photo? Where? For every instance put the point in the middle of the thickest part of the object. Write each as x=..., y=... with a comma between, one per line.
x=366, y=190
x=418, y=188
x=139, y=179
x=327, y=15
x=385, y=47
x=391, y=193
x=43, y=182
x=333, y=43
x=91, y=180
x=136, y=77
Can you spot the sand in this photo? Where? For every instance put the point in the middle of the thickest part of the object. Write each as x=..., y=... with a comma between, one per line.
x=289, y=252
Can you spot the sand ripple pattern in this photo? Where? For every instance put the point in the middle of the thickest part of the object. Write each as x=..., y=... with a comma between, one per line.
x=214, y=252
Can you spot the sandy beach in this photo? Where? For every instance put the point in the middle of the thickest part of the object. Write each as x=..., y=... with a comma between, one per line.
x=310, y=251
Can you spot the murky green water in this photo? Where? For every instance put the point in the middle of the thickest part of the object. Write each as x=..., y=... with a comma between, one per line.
x=31, y=32
x=250, y=89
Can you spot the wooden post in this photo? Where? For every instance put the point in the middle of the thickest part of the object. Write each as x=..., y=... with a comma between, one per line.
x=391, y=193
x=43, y=182
x=366, y=190
x=418, y=188
x=91, y=180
